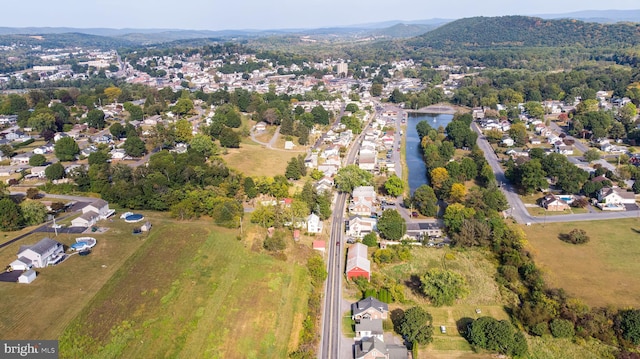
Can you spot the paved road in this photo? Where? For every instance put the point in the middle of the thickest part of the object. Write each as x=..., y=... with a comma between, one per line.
x=332, y=344
x=517, y=209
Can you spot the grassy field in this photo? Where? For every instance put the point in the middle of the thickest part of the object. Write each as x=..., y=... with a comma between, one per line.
x=188, y=289
x=484, y=296
x=253, y=159
x=601, y=272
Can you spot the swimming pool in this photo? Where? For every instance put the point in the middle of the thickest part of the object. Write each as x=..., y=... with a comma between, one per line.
x=133, y=218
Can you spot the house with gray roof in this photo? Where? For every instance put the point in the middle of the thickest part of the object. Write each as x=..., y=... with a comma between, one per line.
x=44, y=253
x=367, y=328
x=374, y=348
x=369, y=308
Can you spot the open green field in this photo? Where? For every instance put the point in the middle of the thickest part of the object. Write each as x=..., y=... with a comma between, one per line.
x=485, y=295
x=188, y=289
x=253, y=159
x=601, y=272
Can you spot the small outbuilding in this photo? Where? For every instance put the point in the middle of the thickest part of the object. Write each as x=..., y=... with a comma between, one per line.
x=27, y=276
x=146, y=227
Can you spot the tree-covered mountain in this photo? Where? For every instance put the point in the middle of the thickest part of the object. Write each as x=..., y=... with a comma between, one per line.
x=523, y=31
x=403, y=30
x=50, y=41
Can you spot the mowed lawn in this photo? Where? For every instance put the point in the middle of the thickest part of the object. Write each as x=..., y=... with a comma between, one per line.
x=253, y=159
x=601, y=272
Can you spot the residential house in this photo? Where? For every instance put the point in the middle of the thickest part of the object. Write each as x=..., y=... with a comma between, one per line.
x=118, y=154
x=477, y=113
x=367, y=328
x=367, y=162
x=44, y=149
x=361, y=208
x=374, y=348
x=357, y=263
x=615, y=196
x=311, y=161
x=92, y=213
x=359, y=226
x=260, y=127
x=289, y=145
x=46, y=252
x=424, y=229
x=329, y=170
x=369, y=308
x=17, y=136
x=324, y=185
x=564, y=150
x=59, y=135
x=38, y=171
x=508, y=141
x=553, y=203
x=314, y=224
x=21, y=159
x=8, y=120
x=367, y=193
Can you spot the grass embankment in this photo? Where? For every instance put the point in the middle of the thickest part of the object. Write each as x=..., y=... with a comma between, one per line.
x=601, y=272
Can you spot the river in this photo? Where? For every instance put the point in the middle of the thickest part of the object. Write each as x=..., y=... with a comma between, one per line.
x=415, y=162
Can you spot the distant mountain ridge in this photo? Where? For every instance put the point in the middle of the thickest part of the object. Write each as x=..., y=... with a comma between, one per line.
x=384, y=29
x=599, y=16
x=523, y=31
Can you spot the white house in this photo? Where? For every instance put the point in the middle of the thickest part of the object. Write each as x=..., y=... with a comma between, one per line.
x=508, y=141
x=92, y=213
x=39, y=255
x=289, y=145
x=615, y=196
x=21, y=159
x=314, y=224
x=359, y=226
x=39, y=171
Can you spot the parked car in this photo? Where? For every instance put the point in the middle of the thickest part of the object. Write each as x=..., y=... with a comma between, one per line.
x=414, y=214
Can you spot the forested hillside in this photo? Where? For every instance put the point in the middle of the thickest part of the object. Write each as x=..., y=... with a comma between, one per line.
x=523, y=31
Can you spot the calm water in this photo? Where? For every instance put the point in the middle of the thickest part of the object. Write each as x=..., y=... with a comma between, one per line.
x=415, y=163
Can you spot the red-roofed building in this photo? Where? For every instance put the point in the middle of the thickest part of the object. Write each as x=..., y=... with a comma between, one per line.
x=319, y=246
x=357, y=263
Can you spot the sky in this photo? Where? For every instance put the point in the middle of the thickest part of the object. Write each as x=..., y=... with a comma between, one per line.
x=272, y=14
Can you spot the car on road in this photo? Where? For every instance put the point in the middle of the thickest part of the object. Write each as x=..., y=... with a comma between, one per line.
x=338, y=243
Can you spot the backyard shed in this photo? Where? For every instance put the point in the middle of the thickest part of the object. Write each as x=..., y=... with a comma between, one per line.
x=27, y=276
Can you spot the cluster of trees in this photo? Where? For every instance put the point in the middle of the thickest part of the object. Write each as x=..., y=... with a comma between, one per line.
x=532, y=175
x=391, y=254
x=497, y=335
x=443, y=287
x=467, y=210
x=14, y=215
x=303, y=203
